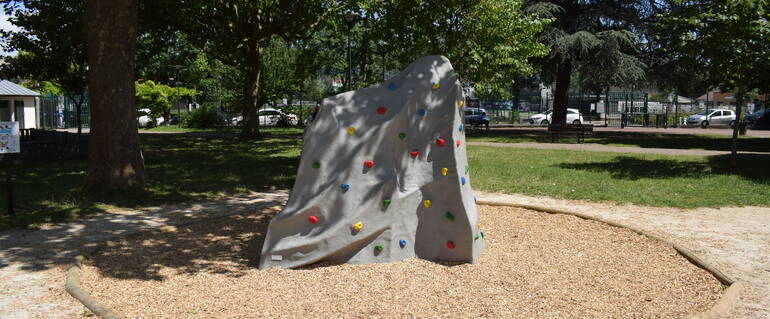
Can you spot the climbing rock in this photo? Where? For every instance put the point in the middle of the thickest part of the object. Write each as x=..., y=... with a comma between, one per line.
x=404, y=125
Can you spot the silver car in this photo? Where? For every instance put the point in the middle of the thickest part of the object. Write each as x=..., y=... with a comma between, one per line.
x=707, y=118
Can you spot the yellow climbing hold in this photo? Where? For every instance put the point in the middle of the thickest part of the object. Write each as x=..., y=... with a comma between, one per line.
x=460, y=104
x=435, y=86
x=357, y=226
x=351, y=130
x=478, y=225
x=426, y=203
x=444, y=171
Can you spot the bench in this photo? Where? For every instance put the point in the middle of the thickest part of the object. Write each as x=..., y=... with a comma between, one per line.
x=579, y=130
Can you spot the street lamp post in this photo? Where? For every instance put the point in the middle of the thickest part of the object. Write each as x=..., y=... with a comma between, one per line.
x=350, y=20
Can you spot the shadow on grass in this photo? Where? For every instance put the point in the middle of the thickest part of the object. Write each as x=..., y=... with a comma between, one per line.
x=179, y=167
x=231, y=246
x=637, y=139
x=750, y=166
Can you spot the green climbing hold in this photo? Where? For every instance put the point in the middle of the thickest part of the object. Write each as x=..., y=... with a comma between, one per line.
x=476, y=237
x=379, y=247
x=385, y=203
x=402, y=135
x=316, y=165
x=449, y=216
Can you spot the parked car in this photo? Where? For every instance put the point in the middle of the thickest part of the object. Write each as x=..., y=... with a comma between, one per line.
x=573, y=116
x=762, y=122
x=753, y=117
x=476, y=117
x=710, y=117
x=145, y=119
x=271, y=117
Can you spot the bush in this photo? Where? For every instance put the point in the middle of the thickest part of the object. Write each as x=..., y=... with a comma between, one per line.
x=204, y=117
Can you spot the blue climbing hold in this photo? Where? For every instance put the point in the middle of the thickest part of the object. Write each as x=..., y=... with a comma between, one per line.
x=392, y=86
x=345, y=187
x=462, y=180
x=482, y=234
x=474, y=199
x=402, y=243
x=461, y=127
x=421, y=112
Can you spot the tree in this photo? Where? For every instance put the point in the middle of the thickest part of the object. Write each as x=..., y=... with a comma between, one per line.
x=590, y=36
x=51, y=45
x=159, y=98
x=238, y=32
x=731, y=39
x=114, y=157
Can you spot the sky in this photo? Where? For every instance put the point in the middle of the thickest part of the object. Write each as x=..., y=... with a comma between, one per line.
x=6, y=26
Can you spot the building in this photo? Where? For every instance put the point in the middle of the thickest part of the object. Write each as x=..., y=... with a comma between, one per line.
x=17, y=104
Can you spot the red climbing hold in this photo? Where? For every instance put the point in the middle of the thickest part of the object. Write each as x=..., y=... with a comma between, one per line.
x=450, y=245
x=458, y=143
x=440, y=142
x=369, y=164
x=414, y=153
x=312, y=219
x=381, y=110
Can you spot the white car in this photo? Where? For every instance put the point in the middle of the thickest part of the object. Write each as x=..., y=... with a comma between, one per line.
x=145, y=119
x=712, y=117
x=270, y=117
x=573, y=116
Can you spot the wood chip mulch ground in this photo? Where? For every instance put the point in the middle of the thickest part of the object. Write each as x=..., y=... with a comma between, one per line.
x=535, y=265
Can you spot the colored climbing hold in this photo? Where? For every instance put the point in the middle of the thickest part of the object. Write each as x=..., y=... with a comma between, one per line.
x=312, y=219
x=444, y=171
x=385, y=203
x=462, y=180
x=402, y=135
x=351, y=130
x=426, y=203
x=460, y=104
x=476, y=237
x=357, y=226
x=449, y=216
x=482, y=234
x=402, y=243
x=345, y=187
x=316, y=165
x=381, y=110
x=414, y=153
x=461, y=128
x=458, y=143
x=421, y=112
x=368, y=164
x=478, y=225
x=435, y=86
x=474, y=199
x=379, y=247
x=392, y=86
x=450, y=245
x=440, y=142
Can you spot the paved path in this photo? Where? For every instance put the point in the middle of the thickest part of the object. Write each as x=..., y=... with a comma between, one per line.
x=652, y=130
x=33, y=263
x=608, y=148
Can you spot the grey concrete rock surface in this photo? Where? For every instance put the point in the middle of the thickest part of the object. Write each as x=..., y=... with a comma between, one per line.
x=383, y=176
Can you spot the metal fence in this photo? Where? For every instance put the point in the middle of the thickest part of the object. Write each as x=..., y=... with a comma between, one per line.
x=58, y=111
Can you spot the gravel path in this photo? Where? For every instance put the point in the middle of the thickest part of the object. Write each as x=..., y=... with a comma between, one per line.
x=736, y=240
x=33, y=263
x=608, y=148
x=536, y=265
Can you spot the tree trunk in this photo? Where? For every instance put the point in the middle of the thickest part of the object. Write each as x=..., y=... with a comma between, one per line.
x=561, y=94
x=114, y=157
x=250, y=129
x=734, y=148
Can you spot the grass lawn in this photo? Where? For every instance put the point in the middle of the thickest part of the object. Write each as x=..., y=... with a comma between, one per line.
x=645, y=179
x=188, y=167
x=629, y=139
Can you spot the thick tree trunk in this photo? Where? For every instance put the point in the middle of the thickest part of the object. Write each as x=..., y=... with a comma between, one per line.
x=250, y=129
x=734, y=148
x=114, y=157
x=561, y=94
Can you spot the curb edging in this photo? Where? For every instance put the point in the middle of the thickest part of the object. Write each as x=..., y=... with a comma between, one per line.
x=720, y=309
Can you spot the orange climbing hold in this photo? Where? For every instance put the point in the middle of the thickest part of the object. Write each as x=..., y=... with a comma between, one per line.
x=458, y=143
x=414, y=153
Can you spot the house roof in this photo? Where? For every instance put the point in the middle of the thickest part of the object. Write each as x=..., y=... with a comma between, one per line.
x=8, y=88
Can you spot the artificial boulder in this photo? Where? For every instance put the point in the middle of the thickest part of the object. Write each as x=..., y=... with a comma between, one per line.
x=383, y=177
